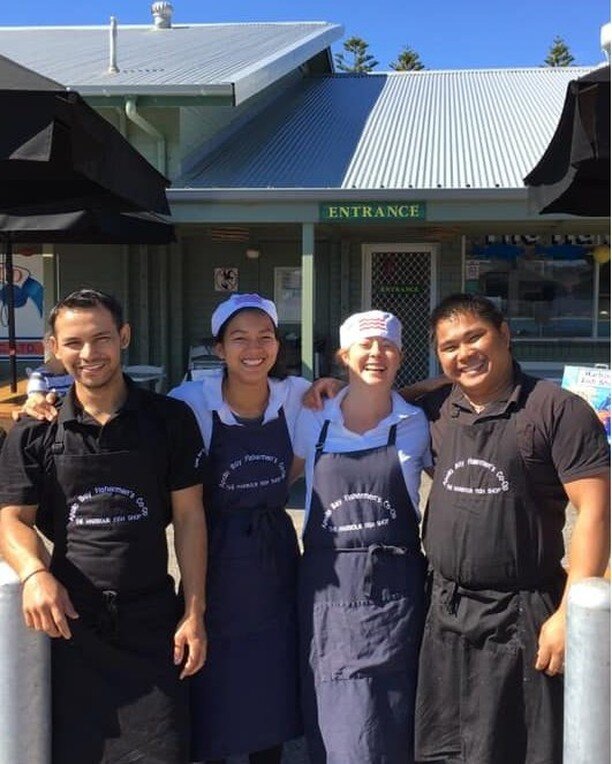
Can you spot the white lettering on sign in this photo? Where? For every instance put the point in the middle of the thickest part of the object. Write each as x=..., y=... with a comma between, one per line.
x=475, y=477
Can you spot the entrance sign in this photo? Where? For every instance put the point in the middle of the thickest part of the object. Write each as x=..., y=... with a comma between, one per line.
x=368, y=212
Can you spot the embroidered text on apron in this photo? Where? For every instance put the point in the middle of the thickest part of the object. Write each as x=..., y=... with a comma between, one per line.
x=116, y=693
x=479, y=699
x=246, y=697
x=361, y=607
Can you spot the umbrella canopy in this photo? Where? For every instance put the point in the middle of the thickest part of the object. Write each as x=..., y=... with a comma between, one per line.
x=91, y=225
x=573, y=175
x=67, y=175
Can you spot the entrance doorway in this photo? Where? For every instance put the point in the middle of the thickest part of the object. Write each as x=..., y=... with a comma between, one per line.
x=401, y=278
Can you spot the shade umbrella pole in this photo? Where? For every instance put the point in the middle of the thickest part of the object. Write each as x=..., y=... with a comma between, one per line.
x=10, y=306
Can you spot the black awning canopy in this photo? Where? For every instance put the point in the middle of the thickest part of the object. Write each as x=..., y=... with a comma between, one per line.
x=67, y=175
x=573, y=175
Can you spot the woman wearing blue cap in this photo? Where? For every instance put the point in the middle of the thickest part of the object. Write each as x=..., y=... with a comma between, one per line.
x=246, y=698
x=362, y=573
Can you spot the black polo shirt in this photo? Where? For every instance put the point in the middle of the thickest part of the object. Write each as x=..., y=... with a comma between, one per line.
x=164, y=426
x=559, y=435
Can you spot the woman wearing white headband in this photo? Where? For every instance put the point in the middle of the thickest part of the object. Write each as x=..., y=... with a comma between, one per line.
x=362, y=573
x=246, y=698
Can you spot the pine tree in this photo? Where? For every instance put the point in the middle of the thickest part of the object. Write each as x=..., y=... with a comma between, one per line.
x=408, y=60
x=361, y=61
x=559, y=54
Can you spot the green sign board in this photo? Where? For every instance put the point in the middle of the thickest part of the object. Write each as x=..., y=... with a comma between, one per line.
x=371, y=212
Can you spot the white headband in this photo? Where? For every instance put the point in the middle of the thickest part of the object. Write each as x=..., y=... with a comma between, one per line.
x=372, y=323
x=237, y=302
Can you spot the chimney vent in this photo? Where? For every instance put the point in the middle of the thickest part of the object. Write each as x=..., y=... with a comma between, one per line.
x=112, y=53
x=605, y=38
x=162, y=15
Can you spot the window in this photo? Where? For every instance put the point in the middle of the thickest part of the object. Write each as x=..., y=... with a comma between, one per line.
x=546, y=288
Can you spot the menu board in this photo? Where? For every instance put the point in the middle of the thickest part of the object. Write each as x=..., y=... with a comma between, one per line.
x=593, y=384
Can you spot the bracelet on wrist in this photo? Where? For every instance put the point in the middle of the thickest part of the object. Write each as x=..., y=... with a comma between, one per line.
x=33, y=573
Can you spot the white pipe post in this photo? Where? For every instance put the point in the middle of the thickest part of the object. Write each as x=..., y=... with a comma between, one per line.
x=586, y=735
x=25, y=681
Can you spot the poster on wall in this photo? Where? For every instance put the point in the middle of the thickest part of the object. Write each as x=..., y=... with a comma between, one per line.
x=29, y=307
x=226, y=279
x=591, y=383
x=288, y=294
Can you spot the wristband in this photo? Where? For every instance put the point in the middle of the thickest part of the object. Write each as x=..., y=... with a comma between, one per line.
x=33, y=573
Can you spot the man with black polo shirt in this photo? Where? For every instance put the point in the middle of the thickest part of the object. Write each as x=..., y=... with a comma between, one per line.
x=107, y=477
x=509, y=451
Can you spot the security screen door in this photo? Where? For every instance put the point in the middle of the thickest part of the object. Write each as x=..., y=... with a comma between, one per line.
x=401, y=278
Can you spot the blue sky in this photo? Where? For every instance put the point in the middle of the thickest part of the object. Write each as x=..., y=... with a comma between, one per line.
x=448, y=34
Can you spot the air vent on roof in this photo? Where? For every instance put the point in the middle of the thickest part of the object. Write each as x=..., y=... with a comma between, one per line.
x=162, y=15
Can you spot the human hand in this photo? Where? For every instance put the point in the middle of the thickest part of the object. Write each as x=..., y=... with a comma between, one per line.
x=551, y=645
x=325, y=387
x=190, y=644
x=46, y=604
x=39, y=406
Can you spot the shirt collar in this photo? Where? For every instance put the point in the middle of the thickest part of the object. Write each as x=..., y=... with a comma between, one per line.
x=70, y=409
x=400, y=409
x=510, y=398
x=213, y=396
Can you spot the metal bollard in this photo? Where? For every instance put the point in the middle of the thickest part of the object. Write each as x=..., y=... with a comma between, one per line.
x=25, y=681
x=586, y=736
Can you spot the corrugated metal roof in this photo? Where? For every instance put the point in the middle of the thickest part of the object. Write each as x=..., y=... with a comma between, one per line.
x=186, y=58
x=470, y=129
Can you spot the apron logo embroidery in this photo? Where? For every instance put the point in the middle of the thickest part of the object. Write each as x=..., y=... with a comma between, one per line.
x=272, y=464
x=328, y=523
x=83, y=510
x=483, y=471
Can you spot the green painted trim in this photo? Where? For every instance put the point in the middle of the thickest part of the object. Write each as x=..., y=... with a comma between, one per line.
x=372, y=212
x=219, y=211
x=308, y=300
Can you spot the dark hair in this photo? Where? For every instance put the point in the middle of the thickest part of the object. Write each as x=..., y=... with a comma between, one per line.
x=460, y=304
x=278, y=371
x=88, y=298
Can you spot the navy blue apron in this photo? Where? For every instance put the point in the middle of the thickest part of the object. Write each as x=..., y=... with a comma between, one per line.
x=246, y=697
x=361, y=608
x=116, y=693
x=494, y=583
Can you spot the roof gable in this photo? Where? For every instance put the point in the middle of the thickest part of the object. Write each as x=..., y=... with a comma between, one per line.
x=195, y=59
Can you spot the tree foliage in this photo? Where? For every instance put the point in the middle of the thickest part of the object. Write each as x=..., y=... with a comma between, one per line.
x=559, y=54
x=355, y=57
x=407, y=60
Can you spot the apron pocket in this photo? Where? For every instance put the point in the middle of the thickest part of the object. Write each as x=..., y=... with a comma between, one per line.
x=364, y=639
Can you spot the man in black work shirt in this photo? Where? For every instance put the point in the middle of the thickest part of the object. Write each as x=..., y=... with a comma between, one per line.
x=509, y=451
x=107, y=477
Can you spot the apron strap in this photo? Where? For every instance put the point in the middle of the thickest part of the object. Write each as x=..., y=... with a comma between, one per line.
x=58, y=446
x=321, y=440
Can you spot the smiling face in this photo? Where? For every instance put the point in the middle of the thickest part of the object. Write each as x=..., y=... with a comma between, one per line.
x=372, y=361
x=89, y=344
x=249, y=346
x=475, y=354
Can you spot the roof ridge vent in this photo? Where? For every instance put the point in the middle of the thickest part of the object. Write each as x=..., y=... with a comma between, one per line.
x=162, y=14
